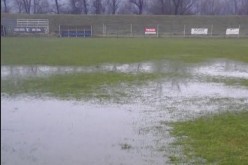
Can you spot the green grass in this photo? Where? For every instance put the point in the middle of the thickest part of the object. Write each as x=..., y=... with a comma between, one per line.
x=77, y=86
x=220, y=139
x=56, y=51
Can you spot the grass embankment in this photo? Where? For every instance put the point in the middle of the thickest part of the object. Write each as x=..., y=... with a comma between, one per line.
x=56, y=51
x=220, y=139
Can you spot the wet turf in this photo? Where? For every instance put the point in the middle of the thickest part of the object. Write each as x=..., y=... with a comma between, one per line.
x=57, y=51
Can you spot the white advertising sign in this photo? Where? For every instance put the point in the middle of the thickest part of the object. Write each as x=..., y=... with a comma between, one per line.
x=199, y=31
x=232, y=31
x=150, y=31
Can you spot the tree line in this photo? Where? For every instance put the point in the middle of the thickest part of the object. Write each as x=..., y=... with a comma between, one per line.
x=115, y=7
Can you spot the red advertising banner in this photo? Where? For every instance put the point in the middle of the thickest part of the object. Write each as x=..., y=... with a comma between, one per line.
x=150, y=31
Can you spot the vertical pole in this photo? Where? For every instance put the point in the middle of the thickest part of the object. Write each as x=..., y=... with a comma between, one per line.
x=102, y=29
x=212, y=30
x=200, y=7
x=105, y=30
x=157, y=30
x=131, y=30
x=90, y=30
x=68, y=33
x=84, y=33
x=59, y=31
x=76, y=32
x=239, y=31
x=2, y=30
x=184, y=31
x=48, y=26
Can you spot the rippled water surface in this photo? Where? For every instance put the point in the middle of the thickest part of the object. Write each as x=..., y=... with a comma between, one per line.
x=52, y=131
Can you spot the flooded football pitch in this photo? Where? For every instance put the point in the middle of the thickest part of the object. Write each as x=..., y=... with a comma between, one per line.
x=48, y=130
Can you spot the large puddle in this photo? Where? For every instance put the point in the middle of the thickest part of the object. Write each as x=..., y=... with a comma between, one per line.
x=52, y=131
x=224, y=68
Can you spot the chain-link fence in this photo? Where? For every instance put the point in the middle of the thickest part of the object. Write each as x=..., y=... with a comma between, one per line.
x=158, y=30
x=139, y=27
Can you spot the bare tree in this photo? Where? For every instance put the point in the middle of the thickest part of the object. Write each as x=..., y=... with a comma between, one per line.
x=6, y=9
x=235, y=2
x=113, y=5
x=182, y=7
x=27, y=6
x=18, y=4
x=85, y=5
x=161, y=7
x=244, y=7
x=57, y=6
x=125, y=8
x=187, y=5
x=139, y=4
x=35, y=5
x=211, y=7
x=176, y=6
x=98, y=6
x=42, y=6
x=165, y=6
x=76, y=6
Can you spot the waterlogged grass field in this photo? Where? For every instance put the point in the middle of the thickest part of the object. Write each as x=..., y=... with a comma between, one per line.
x=56, y=51
x=93, y=85
x=178, y=77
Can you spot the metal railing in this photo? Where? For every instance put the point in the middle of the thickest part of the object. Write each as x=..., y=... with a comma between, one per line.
x=43, y=23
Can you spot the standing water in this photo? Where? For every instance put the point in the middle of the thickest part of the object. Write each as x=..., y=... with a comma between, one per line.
x=45, y=130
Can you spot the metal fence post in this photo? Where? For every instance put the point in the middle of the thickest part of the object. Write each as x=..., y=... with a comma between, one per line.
x=104, y=29
x=76, y=32
x=91, y=30
x=131, y=30
x=239, y=32
x=184, y=31
x=212, y=30
x=157, y=30
x=59, y=32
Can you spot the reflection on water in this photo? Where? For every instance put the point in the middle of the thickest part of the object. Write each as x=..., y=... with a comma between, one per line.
x=37, y=71
x=224, y=68
x=49, y=131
